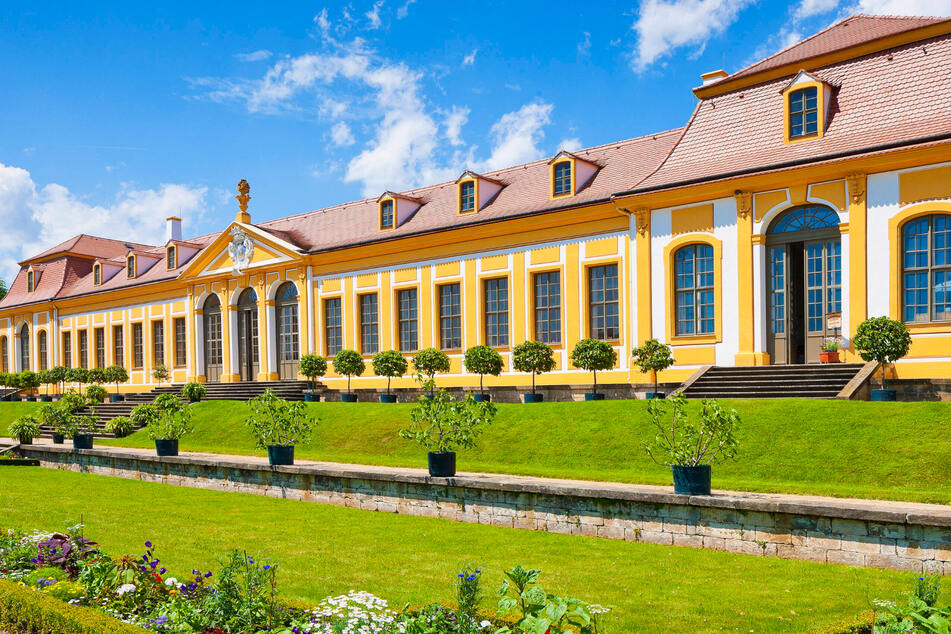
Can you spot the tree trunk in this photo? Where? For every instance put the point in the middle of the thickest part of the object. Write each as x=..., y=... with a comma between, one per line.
x=348, y=384
x=595, y=373
x=533, y=383
x=387, y=385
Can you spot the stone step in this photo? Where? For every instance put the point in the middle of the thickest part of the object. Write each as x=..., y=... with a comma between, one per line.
x=778, y=381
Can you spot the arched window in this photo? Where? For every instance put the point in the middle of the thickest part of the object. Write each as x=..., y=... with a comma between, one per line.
x=211, y=312
x=130, y=266
x=4, y=355
x=288, y=350
x=926, y=269
x=25, y=348
x=171, y=259
x=30, y=281
x=694, y=300
x=97, y=274
x=806, y=218
x=41, y=344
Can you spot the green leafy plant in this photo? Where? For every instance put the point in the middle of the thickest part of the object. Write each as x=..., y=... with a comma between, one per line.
x=540, y=612
x=313, y=366
x=442, y=424
x=349, y=363
x=120, y=426
x=194, y=392
x=143, y=415
x=534, y=357
x=78, y=375
x=45, y=378
x=72, y=402
x=679, y=441
x=116, y=374
x=653, y=357
x=593, y=355
x=274, y=421
x=29, y=380
x=97, y=376
x=389, y=363
x=173, y=420
x=160, y=372
x=484, y=360
x=24, y=428
x=58, y=375
x=55, y=416
x=79, y=424
x=831, y=344
x=920, y=614
x=882, y=339
x=96, y=394
x=427, y=363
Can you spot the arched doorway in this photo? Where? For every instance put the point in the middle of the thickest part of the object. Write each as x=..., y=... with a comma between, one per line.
x=212, y=336
x=288, y=348
x=804, y=282
x=248, y=334
x=25, y=348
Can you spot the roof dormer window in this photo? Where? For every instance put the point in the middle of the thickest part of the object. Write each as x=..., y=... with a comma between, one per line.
x=806, y=102
x=130, y=266
x=561, y=178
x=30, y=281
x=803, y=112
x=387, y=215
x=96, y=274
x=171, y=257
x=467, y=196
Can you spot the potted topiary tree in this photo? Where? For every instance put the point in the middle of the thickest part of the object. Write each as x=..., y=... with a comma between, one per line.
x=96, y=394
x=116, y=374
x=45, y=378
x=58, y=375
x=194, y=392
x=389, y=363
x=534, y=357
x=81, y=429
x=97, y=376
x=279, y=425
x=312, y=366
x=442, y=426
x=24, y=429
x=29, y=381
x=689, y=448
x=160, y=372
x=484, y=360
x=173, y=420
x=883, y=340
x=427, y=363
x=79, y=376
x=593, y=355
x=350, y=364
x=653, y=357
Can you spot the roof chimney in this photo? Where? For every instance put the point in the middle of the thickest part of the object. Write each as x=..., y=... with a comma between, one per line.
x=173, y=228
x=713, y=76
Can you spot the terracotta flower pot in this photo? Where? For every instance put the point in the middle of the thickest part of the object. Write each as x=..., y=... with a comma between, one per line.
x=829, y=356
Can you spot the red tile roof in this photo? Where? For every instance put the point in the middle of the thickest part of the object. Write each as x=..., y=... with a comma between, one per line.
x=91, y=246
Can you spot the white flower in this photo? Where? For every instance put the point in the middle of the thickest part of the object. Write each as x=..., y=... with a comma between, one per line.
x=126, y=587
x=171, y=582
x=485, y=624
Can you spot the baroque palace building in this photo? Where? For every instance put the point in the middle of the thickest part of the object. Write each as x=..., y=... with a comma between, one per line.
x=810, y=189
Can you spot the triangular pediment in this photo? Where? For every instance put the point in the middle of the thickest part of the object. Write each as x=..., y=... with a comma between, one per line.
x=257, y=249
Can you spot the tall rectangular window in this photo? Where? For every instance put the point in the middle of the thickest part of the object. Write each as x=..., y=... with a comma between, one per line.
x=803, y=112
x=496, y=292
x=603, y=303
x=100, y=347
x=181, y=356
x=333, y=326
x=562, y=184
x=467, y=197
x=408, y=323
x=548, y=307
x=450, y=317
x=158, y=342
x=386, y=214
x=369, y=324
x=138, y=347
x=84, y=348
x=118, y=357
x=68, y=349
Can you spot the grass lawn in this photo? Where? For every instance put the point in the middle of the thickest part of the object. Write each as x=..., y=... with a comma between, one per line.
x=327, y=550
x=898, y=451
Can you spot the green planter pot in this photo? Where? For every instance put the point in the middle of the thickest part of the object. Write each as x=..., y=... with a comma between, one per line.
x=82, y=441
x=691, y=480
x=482, y=397
x=58, y=439
x=653, y=395
x=593, y=396
x=116, y=398
x=533, y=398
x=46, y=398
x=311, y=398
x=883, y=395
x=25, y=441
x=165, y=447
x=387, y=398
x=280, y=455
x=348, y=398
x=442, y=464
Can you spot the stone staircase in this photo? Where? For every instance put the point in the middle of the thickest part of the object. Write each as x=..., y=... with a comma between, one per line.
x=773, y=381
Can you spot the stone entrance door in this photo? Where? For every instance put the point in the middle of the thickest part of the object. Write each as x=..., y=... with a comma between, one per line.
x=248, y=350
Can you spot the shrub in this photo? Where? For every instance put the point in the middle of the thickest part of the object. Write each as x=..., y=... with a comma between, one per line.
x=593, y=355
x=72, y=402
x=160, y=372
x=29, y=380
x=194, y=392
x=58, y=374
x=24, y=610
x=116, y=374
x=882, y=339
x=77, y=375
x=24, y=428
x=681, y=442
x=144, y=414
x=55, y=415
x=43, y=376
x=120, y=426
x=534, y=357
x=484, y=360
x=349, y=363
x=441, y=424
x=96, y=394
x=97, y=376
x=653, y=357
x=312, y=366
x=427, y=363
x=389, y=363
x=77, y=424
x=274, y=421
x=173, y=419
x=542, y=612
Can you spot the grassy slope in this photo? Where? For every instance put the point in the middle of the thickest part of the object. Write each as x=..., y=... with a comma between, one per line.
x=848, y=449
x=328, y=550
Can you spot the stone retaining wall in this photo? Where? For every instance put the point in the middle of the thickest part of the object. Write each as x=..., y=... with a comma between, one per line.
x=875, y=534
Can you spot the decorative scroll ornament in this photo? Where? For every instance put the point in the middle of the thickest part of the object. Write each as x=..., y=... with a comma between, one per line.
x=642, y=217
x=241, y=249
x=744, y=204
x=856, y=183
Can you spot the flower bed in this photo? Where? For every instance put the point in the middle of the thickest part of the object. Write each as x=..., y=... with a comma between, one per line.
x=67, y=570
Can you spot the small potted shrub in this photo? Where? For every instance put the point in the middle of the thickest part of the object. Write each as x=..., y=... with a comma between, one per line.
x=593, y=355
x=883, y=340
x=29, y=381
x=55, y=416
x=312, y=366
x=279, y=425
x=173, y=420
x=96, y=394
x=389, y=363
x=194, y=392
x=483, y=360
x=689, y=448
x=72, y=402
x=534, y=357
x=116, y=374
x=160, y=373
x=58, y=375
x=350, y=364
x=24, y=429
x=442, y=426
x=81, y=429
x=143, y=415
x=428, y=363
x=653, y=357
x=120, y=426
x=45, y=378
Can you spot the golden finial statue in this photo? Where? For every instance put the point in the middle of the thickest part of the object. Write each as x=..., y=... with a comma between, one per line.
x=243, y=198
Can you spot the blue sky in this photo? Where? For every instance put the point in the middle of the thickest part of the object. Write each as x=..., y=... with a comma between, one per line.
x=114, y=117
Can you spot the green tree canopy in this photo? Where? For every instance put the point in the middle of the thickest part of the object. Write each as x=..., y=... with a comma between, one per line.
x=484, y=360
x=593, y=355
x=882, y=339
x=389, y=363
x=534, y=357
x=349, y=363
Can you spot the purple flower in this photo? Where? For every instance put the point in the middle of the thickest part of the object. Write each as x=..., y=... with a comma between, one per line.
x=207, y=574
x=162, y=570
x=148, y=545
x=267, y=567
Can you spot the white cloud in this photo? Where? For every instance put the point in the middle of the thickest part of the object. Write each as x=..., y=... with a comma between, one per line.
x=469, y=59
x=456, y=118
x=373, y=15
x=255, y=56
x=38, y=217
x=570, y=145
x=904, y=7
x=809, y=8
x=665, y=25
x=323, y=22
x=584, y=46
x=516, y=135
x=403, y=11
x=341, y=135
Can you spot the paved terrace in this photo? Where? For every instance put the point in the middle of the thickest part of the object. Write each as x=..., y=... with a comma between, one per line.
x=877, y=533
